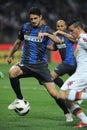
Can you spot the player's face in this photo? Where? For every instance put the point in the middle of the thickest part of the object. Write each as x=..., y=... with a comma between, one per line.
x=74, y=31
x=35, y=20
x=60, y=25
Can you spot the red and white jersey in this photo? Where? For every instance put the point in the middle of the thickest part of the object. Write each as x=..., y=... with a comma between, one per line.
x=81, y=57
x=78, y=81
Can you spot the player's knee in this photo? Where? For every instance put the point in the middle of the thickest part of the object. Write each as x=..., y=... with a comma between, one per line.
x=15, y=71
x=11, y=74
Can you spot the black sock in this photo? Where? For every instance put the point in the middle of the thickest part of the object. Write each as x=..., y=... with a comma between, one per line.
x=62, y=105
x=61, y=102
x=58, y=82
x=16, y=87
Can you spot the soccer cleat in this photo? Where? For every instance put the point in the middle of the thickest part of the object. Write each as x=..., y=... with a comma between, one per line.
x=68, y=117
x=80, y=125
x=12, y=105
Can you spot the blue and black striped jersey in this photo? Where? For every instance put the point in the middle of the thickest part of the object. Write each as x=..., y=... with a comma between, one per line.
x=66, y=50
x=34, y=50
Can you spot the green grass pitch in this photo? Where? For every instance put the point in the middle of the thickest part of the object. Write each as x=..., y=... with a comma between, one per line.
x=44, y=113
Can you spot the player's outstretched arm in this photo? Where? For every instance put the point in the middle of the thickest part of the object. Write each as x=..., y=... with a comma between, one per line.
x=69, y=36
x=16, y=46
x=51, y=36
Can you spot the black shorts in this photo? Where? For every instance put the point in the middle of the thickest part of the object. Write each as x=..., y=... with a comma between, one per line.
x=65, y=68
x=39, y=71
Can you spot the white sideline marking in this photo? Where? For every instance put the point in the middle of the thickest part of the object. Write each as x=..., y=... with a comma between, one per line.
x=26, y=88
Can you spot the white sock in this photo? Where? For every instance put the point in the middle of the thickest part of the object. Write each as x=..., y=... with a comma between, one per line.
x=74, y=107
x=82, y=117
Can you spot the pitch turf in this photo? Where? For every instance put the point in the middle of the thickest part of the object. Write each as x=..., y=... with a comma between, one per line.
x=44, y=113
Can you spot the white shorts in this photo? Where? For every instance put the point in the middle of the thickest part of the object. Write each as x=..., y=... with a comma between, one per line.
x=78, y=82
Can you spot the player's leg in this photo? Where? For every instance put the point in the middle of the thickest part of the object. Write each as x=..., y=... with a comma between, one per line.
x=60, y=102
x=44, y=77
x=78, y=112
x=70, y=91
x=75, y=92
x=73, y=87
x=65, y=94
x=60, y=70
x=58, y=81
x=14, y=72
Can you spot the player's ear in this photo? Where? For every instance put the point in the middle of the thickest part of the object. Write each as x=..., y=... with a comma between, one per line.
x=78, y=28
x=40, y=17
x=65, y=27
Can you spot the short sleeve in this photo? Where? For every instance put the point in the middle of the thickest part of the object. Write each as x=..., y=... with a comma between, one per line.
x=20, y=34
x=49, y=30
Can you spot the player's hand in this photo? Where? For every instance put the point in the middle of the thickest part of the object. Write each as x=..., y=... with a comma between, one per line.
x=60, y=32
x=9, y=60
x=41, y=35
x=55, y=33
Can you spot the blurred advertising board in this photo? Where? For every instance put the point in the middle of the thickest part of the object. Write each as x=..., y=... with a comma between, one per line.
x=4, y=51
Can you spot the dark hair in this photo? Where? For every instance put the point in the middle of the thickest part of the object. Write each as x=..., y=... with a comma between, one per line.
x=76, y=23
x=34, y=10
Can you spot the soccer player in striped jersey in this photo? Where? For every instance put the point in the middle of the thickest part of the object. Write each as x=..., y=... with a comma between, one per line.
x=33, y=61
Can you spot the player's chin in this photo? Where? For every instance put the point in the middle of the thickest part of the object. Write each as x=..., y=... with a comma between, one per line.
x=35, y=25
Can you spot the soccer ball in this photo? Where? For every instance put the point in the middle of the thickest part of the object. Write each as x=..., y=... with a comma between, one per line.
x=22, y=107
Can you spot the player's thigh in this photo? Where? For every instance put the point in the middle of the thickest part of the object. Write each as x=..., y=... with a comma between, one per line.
x=15, y=71
x=75, y=82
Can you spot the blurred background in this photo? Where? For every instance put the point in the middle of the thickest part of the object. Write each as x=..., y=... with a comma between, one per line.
x=13, y=13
